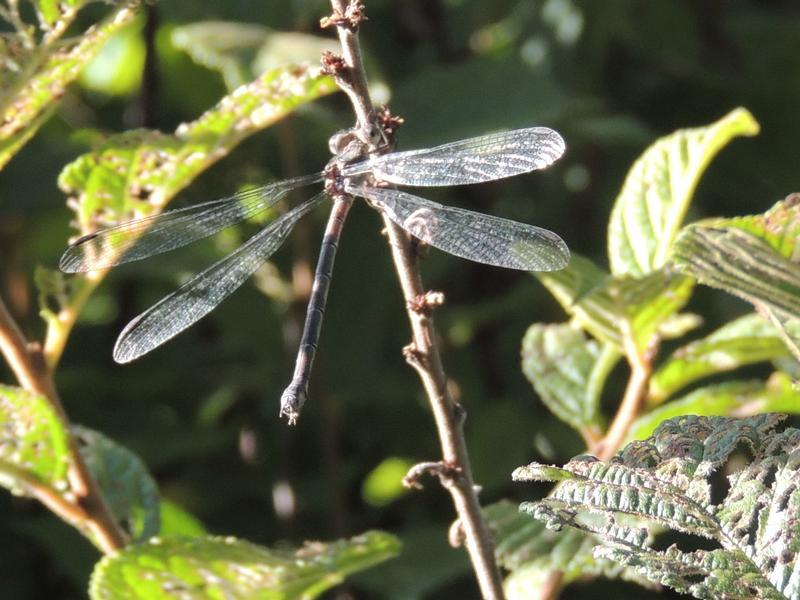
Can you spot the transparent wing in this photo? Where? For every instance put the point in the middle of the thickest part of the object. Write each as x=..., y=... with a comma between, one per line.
x=474, y=236
x=141, y=238
x=474, y=160
x=199, y=296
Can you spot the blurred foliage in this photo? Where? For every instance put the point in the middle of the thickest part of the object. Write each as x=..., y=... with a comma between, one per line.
x=201, y=412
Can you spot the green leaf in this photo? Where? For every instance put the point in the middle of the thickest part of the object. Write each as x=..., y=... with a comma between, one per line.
x=531, y=552
x=216, y=567
x=118, y=68
x=731, y=398
x=667, y=480
x=559, y=362
x=755, y=257
x=138, y=172
x=34, y=445
x=744, y=341
x=28, y=99
x=61, y=12
x=177, y=521
x=384, y=484
x=126, y=484
x=613, y=308
x=658, y=189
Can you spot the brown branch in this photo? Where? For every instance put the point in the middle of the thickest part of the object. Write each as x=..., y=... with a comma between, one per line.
x=424, y=356
x=30, y=368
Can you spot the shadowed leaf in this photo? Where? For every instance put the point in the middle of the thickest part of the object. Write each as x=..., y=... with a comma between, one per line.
x=126, y=484
x=560, y=362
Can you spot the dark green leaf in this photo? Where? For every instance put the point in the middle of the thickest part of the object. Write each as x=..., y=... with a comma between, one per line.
x=658, y=189
x=126, y=484
x=34, y=446
x=667, y=480
x=215, y=567
x=747, y=340
x=559, y=362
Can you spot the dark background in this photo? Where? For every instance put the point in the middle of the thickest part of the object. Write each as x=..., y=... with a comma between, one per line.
x=201, y=411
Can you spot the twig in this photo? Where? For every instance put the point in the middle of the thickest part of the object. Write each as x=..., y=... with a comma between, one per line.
x=424, y=356
x=28, y=364
x=635, y=392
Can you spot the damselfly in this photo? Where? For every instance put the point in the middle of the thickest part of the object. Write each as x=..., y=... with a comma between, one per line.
x=474, y=236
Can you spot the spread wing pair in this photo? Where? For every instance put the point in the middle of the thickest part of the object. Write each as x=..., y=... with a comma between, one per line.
x=474, y=236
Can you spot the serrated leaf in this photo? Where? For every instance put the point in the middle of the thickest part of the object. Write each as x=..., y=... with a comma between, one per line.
x=668, y=480
x=559, y=362
x=531, y=552
x=737, y=398
x=28, y=100
x=658, y=189
x=216, y=567
x=127, y=486
x=611, y=308
x=34, y=444
x=747, y=340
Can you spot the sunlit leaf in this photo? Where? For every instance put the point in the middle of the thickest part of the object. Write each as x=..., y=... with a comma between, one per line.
x=34, y=446
x=176, y=521
x=559, y=362
x=667, y=480
x=611, y=308
x=658, y=189
x=126, y=484
x=43, y=74
x=531, y=553
x=747, y=340
x=756, y=258
x=215, y=567
x=734, y=398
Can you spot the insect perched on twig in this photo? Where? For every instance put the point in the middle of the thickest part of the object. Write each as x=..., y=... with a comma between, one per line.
x=474, y=236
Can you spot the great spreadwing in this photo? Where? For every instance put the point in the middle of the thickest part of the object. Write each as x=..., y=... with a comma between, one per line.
x=474, y=236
